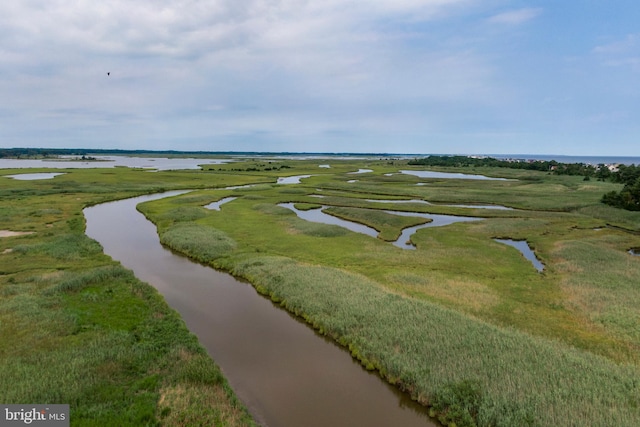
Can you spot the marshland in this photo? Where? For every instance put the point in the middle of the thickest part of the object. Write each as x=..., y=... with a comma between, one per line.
x=463, y=324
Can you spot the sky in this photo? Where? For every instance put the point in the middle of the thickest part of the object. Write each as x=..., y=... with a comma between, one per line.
x=376, y=76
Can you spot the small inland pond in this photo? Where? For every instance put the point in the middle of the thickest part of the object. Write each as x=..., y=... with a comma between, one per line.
x=284, y=372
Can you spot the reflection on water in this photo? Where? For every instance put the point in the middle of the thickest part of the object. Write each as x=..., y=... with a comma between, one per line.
x=292, y=179
x=316, y=215
x=447, y=175
x=71, y=162
x=403, y=242
x=33, y=176
x=635, y=251
x=525, y=250
x=216, y=205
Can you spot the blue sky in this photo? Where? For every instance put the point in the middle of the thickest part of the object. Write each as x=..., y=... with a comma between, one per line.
x=394, y=76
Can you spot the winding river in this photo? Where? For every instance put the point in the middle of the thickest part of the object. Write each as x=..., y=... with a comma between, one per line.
x=285, y=373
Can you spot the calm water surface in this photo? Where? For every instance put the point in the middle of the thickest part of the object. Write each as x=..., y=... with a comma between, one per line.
x=285, y=373
x=72, y=162
x=525, y=250
x=33, y=176
x=292, y=179
x=403, y=242
x=448, y=175
x=215, y=206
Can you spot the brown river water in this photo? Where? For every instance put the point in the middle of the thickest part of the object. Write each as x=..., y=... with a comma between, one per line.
x=284, y=372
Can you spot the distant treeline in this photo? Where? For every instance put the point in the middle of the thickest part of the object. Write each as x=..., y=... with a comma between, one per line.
x=552, y=166
x=629, y=197
x=629, y=175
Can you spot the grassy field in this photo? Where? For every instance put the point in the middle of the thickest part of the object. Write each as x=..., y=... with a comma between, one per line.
x=464, y=324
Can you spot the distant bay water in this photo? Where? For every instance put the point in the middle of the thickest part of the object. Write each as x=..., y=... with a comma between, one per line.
x=162, y=163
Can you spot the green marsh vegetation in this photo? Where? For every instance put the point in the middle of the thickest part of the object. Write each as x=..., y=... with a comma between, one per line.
x=77, y=328
x=464, y=324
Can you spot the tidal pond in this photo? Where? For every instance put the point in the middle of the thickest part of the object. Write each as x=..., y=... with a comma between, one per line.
x=360, y=171
x=525, y=250
x=403, y=242
x=317, y=215
x=285, y=373
x=292, y=179
x=33, y=176
x=448, y=175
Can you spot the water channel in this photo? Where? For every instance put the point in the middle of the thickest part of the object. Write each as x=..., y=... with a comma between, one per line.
x=525, y=250
x=285, y=373
x=403, y=242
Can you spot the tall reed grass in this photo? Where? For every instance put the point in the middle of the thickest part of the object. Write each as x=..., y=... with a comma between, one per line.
x=429, y=350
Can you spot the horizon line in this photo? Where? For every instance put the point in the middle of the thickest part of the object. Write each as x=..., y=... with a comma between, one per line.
x=308, y=153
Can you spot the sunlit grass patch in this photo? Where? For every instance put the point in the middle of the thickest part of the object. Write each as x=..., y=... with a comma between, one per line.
x=601, y=283
x=191, y=404
x=473, y=296
x=184, y=213
x=316, y=229
x=193, y=199
x=202, y=243
x=64, y=247
x=272, y=209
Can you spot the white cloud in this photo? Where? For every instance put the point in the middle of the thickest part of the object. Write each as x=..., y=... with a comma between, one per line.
x=621, y=53
x=629, y=43
x=515, y=17
x=191, y=27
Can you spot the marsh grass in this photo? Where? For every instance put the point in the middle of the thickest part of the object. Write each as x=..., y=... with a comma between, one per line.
x=601, y=280
x=76, y=328
x=204, y=244
x=184, y=213
x=314, y=229
x=426, y=349
x=533, y=354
